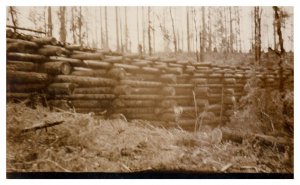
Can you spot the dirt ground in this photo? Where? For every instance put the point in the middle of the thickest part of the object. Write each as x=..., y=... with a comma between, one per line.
x=83, y=143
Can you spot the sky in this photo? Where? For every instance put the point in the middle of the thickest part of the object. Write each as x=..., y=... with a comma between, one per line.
x=93, y=24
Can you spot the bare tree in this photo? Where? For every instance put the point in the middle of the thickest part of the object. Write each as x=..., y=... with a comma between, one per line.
x=231, y=36
x=62, y=15
x=196, y=31
x=101, y=30
x=13, y=13
x=188, y=30
x=50, y=25
x=149, y=32
x=137, y=25
x=117, y=28
x=203, y=34
x=153, y=30
x=126, y=32
x=143, y=31
x=173, y=28
x=80, y=24
x=106, y=30
x=257, y=32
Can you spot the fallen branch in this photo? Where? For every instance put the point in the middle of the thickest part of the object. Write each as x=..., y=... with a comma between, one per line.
x=41, y=126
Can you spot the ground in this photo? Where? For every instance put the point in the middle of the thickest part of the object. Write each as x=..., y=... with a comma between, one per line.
x=84, y=143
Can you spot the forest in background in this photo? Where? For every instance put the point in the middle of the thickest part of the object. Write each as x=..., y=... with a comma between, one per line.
x=160, y=29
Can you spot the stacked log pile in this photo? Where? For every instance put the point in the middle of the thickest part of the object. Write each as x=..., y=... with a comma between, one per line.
x=173, y=91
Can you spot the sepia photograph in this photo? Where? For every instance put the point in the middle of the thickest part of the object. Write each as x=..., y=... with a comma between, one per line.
x=150, y=92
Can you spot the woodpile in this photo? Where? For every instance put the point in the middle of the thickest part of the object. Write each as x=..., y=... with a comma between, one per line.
x=178, y=92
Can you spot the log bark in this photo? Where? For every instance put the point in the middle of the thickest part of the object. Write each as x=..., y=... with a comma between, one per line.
x=91, y=103
x=140, y=97
x=90, y=72
x=140, y=110
x=150, y=70
x=133, y=103
x=133, y=83
x=26, y=77
x=73, y=47
x=26, y=88
x=26, y=57
x=71, y=61
x=88, y=56
x=143, y=116
x=44, y=40
x=113, y=59
x=61, y=88
x=56, y=68
x=21, y=66
x=49, y=50
x=17, y=45
x=117, y=73
x=97, y=64
x=86, y=96
x=168, y=78
x=93, y=90
x=129, y=68
x=85, y=81
x=91, y=110
x=126, y=90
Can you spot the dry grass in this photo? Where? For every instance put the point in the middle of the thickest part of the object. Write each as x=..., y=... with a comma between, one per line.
x=86, y=144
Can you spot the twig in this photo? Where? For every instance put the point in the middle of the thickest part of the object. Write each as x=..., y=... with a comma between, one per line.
x=271, y=121
x=226, y=167
x=126, y=167
x=56, y=164
x=41, y=126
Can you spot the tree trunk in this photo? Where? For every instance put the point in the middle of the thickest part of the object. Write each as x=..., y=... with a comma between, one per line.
x=61, y=88
x=13, y=14
x=56, y=68
x=26, y=88
x=62, y=32
x=106, y=30
x=93, y=90
x=91, y=103
x=21, y=66
x=117, y=29
x=174, y=34
x=257, y=21
x=137, y=26
x=88, y=56
x=85, y=81
x=203, y=38
x=126, y=32
x=278, y=21
x=133, y=103
x=26, y=77
x=101, y=30
x=149, y=32
x=86, y=96
x=26, y=57
x=80, y=23
x=230, y=31
x=50, y=25
x=188, y=29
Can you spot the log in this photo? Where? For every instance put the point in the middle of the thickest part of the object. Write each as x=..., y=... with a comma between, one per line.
x=178, y=97
x=168, y=103
x=140, y=110
x=56, y=68
x=21, y=66
x=133, y=103
x=133, y=83
x=126, y=90
x=150, y=70
x=91, y=103
x=89, y=72
x=144, y=116
x=168, y=60
x=26, y=77
x=17, y=45
x=26, y=88
x=86, y=96
x=44, y=40
x=141, y=63
x=140, y=97
x=93, y=90
x=201, y=91
x=183, y=91
x=18, y=95
x=85, y=81
x=202, y=102
x=88, y=56
x=175, y=65
x=61, y=88
x=117, y=73
x=71, y=61
x=128, y=67
x=181, y=85
x=174, y=70
x=185, y=102
x=49, y=50
x=229, y=81
x=168, y=78
x=199, y=81
x=97, y=64
x=73, y=47
x=113, y=59
x=26, y=57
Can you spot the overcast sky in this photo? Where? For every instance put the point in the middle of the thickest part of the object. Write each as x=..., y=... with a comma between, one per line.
x=92, y=18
